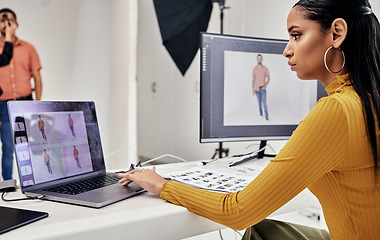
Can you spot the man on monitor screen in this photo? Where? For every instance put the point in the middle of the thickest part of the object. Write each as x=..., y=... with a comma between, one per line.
x=260, y=80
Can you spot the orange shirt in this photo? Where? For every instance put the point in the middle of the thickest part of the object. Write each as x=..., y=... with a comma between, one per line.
x=46, y=158
x=329, y=153
x=15, y=77
x=260, y=74
x=71, y=122
x=41, y=123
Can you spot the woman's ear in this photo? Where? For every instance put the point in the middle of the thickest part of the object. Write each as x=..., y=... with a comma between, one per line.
x=338, y=31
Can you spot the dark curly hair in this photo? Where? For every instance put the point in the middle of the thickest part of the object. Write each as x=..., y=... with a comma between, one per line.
x=9, y=11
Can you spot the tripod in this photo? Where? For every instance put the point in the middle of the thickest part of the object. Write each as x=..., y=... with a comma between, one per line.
x=220, y=151
x=222, y=6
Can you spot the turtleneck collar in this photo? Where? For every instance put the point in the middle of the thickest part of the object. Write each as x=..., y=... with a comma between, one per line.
x=338, y=84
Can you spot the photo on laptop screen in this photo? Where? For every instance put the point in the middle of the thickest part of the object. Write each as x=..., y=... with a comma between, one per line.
x=55, y=140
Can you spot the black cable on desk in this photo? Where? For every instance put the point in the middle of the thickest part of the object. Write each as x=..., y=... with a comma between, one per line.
x=220, y=234
x=19, y=199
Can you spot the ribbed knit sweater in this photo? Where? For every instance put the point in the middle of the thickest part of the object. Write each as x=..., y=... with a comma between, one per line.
x=329, y=153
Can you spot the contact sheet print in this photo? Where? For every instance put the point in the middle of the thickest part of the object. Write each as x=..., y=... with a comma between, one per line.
x=222, y=179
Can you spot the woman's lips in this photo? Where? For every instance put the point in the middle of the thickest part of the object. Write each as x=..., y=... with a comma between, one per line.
x=292, y=65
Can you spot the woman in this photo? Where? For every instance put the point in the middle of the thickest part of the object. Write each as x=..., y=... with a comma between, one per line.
x=334, y=150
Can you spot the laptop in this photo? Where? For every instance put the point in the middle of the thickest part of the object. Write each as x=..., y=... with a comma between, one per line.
x=59, y=154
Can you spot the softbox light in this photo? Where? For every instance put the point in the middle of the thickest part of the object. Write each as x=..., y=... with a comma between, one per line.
x=180, y=22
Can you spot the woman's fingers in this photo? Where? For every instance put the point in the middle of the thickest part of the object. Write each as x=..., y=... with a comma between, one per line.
x=146, y=178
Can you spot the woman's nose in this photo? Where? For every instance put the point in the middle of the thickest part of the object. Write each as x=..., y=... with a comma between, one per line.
x=287, y=52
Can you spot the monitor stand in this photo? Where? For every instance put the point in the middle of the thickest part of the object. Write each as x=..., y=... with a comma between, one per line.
x=259, y=155
x=262, y=154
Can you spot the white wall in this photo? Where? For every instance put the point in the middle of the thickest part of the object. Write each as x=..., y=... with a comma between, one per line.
x=73, y=45
x=123, y=86
x=88, y=52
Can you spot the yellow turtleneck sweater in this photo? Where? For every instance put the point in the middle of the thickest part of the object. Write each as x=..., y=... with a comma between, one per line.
x=329, y=153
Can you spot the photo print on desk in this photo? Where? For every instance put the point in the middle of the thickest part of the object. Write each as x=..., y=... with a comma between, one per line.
x=220, y=179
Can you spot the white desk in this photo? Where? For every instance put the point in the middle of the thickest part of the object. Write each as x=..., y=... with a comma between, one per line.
x=145, y=216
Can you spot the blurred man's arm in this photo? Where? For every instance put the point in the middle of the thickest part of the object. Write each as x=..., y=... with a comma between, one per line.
x=267, y=79
x=37, y=84
x=253, y=82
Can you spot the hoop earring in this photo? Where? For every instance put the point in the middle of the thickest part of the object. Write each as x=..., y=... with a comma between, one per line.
x=325, y=60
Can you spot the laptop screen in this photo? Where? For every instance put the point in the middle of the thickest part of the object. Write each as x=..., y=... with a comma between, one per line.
x=55, y=140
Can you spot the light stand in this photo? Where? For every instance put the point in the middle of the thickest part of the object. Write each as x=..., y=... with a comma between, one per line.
x=222, y=6
x=220, y=151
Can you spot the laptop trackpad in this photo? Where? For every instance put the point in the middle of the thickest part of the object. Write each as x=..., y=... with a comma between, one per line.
x=112, y=191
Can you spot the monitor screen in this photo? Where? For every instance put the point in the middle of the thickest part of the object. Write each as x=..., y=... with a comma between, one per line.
x=248, y=91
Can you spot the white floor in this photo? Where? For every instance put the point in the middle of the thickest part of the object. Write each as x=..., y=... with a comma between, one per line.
x=307, y=216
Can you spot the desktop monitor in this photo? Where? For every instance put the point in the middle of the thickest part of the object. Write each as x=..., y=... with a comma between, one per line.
x=230, y=104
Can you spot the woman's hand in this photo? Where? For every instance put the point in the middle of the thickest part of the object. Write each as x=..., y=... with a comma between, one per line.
x=145, y=178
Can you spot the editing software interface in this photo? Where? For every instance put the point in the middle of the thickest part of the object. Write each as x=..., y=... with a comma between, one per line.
x=55, y=140
x=248, y=91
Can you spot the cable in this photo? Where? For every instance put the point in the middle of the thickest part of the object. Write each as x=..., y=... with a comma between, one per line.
x=118, y=150
x=20, y=199
x=252, y=155
x=257, y=145
x=241, y=235
x=253, y=144
x=274, y=152
x=212, y=160
x=243, y=154
x=267, y=145
x=220, y=234
x=165, y=155
x=310, y=214
x=147, y=162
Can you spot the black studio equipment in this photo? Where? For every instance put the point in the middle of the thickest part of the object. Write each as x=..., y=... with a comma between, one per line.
x=222, y=7
x=180, y=23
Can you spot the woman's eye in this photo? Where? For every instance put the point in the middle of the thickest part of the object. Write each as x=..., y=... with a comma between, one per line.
x=296, y=36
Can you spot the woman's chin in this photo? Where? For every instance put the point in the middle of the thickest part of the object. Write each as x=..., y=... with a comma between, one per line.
x=304, y=77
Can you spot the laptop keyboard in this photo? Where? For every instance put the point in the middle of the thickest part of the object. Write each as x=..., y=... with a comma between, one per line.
x=85, y=185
